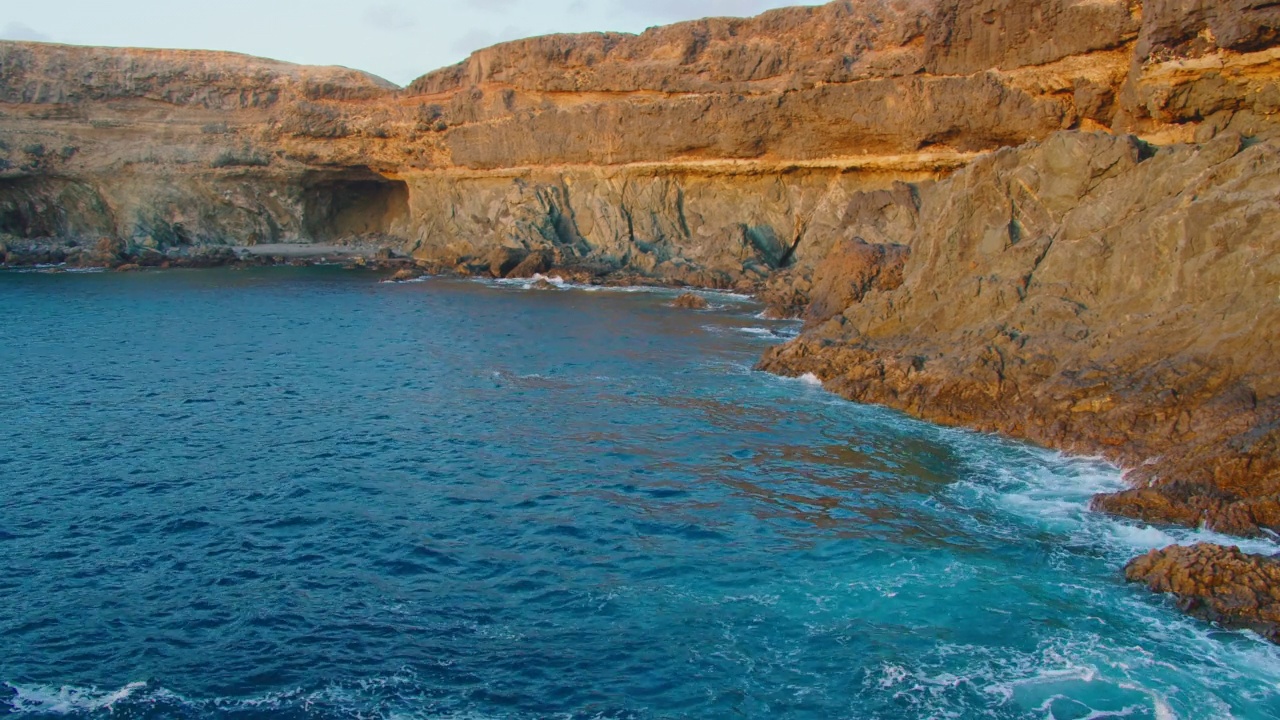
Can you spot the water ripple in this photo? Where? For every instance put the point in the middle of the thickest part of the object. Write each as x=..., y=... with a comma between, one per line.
x=302, y=494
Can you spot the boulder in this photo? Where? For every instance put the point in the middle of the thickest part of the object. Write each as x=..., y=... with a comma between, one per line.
x=535, y=263
x=1214, y=583
x=109, y=251
x=689, y=301
x=502, y=261
x=850, y=270
x=406, y=274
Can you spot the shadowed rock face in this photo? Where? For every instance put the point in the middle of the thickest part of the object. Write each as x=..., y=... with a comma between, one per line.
x=1050, y=218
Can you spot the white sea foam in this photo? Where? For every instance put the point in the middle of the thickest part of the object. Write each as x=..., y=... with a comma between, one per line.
x=67, y=699
x=562, y=284
x=758, y=332
x=1074, y=668
x=1053, y=490
x=354, y=698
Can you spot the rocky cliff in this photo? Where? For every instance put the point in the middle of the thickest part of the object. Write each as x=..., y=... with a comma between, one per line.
x=1051, y=218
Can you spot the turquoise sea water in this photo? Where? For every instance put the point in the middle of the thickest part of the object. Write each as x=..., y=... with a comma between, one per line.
x=305, y=494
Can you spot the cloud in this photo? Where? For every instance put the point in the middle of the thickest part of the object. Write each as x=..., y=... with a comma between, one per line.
x=19, y=31
x=388, y=16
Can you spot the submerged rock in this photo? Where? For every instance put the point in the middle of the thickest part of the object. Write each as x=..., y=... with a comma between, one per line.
x=1218, y=584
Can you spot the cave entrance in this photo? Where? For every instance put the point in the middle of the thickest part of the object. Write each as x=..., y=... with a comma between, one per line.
x=354, y=204
x=33, y=208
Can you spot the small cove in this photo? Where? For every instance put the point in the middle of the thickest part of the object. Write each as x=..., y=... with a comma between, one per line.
x=303, y=493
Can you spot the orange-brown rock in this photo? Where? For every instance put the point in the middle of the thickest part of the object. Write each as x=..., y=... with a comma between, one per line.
x=690, y=301
x=1049, y=295
x=852, y=269
x=1218, y=584
x=407, y=274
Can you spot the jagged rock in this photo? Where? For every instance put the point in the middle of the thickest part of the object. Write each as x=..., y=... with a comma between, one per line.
x=406, y=274
x=689, y=301
x=1193, y=504
x=1217, y=584
x=110, y=251
x=852, y=269
x=1029, y=306
x=536, y=263
x=128, y=267
x=502, y=260
x=786, y=295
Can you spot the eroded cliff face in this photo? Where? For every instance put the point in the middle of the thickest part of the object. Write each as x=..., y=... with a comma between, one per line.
x=1051, y=218
x=1089, y=292
x=645, y=153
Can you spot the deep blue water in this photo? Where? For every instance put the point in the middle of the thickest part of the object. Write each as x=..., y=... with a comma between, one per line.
x=305, y=494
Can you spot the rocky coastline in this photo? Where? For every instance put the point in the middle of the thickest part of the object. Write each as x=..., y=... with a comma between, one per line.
x=1058, y=220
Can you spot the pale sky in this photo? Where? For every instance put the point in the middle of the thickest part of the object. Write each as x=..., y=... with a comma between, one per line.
x=397, y=39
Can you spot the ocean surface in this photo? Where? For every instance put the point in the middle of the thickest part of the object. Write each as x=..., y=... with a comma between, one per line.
x=302, y=493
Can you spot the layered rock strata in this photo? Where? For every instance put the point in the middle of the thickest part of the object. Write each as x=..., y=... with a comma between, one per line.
x=1051, y=218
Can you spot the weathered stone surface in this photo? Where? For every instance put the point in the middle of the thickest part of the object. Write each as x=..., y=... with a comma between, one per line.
x=535, y=263
x=1218, y=584
x=968, y=36
x=407, y=274
x=690, y=301
x=1049, y=294
x=68, y=75
x=851, y=270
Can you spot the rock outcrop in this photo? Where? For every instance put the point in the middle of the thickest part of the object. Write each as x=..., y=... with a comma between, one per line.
x=689, y=301
x=1094, y=293
x=1051, y=218
x=1217, y=584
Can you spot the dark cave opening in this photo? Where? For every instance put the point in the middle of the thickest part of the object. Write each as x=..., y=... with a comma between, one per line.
x=25, y=212
x=354, y=204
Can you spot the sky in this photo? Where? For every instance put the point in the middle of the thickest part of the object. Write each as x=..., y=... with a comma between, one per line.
x=396, y=39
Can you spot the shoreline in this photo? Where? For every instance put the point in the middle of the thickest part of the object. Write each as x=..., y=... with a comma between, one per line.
x=1196, y=575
